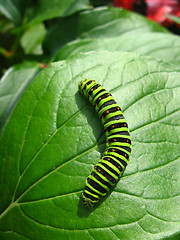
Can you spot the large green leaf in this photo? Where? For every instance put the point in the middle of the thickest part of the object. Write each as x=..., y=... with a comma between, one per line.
x=12, y=85
x=98, y=23
x=45, y=9
x=159, y=45
x=54, y=138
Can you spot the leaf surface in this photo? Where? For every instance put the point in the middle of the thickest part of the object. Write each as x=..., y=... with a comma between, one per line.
x=54, y=138
x=12, y=85
x=160, y=45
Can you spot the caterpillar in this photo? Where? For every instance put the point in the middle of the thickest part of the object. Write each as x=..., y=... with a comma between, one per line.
x=108, y=171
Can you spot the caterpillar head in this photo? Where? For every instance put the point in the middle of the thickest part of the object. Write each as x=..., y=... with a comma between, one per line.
x=87, y=202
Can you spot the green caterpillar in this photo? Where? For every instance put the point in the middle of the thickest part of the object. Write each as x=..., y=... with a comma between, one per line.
x=111, y=166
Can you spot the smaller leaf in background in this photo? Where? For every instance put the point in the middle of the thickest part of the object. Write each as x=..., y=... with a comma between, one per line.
x=13, y=10
x=57, y=35
x=12, y=85
x=98, y=23
x=159, y=45
x=112, y=22
x=45, y=9
x=31, y=40
x=174, y=18
x=5, y=25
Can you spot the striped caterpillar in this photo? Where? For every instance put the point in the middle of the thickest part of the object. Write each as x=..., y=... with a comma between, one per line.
x=108, y=171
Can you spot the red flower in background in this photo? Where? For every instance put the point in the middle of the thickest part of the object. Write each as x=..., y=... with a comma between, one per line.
x=127, y=4
x=155, y=10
